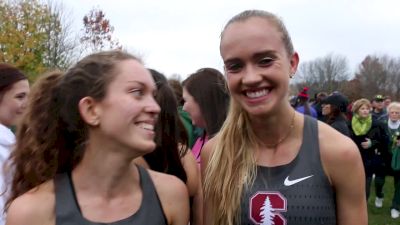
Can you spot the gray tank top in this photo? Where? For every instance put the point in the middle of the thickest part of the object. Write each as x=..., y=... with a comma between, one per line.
x=68, y=211
x=297, y=193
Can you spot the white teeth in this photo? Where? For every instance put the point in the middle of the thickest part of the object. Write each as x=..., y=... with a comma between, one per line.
x=257, y=94
x=146, y=126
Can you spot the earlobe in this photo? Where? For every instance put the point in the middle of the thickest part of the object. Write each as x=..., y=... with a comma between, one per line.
x=88, y=111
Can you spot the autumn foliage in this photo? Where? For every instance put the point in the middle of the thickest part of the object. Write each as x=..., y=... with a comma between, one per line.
x=98, y=32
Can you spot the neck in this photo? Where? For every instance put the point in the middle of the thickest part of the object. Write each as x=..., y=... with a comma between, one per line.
x=394, y=124
x=105, y=172
x=272, y=130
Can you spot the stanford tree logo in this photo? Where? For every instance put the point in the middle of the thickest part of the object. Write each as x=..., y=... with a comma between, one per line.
x=266, y=206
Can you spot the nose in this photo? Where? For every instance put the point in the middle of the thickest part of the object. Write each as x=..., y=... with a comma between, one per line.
x=152, y=106
x=24, y=103
x=251, y=76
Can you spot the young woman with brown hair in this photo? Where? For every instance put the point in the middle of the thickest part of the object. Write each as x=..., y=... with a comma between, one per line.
x=73, y=160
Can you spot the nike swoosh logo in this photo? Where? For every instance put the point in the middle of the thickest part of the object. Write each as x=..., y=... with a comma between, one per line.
x=288, y=182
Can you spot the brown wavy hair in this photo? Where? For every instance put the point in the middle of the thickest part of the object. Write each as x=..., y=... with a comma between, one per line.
x=52, y=134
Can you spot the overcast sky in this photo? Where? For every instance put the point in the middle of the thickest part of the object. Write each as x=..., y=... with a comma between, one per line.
x=181, y=36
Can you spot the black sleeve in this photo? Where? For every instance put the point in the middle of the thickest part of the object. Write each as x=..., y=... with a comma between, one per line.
x=379, y=137
x=342, y=128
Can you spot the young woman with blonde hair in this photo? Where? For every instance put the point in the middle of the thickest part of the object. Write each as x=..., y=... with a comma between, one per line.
x=270, y=164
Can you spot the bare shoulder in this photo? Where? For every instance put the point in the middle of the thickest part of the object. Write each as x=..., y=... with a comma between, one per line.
x=36, y=206
x=207, y=150
x=341, y=160
x=167, y=185
x=336, y=149
x=334, y=144
x=173, y=196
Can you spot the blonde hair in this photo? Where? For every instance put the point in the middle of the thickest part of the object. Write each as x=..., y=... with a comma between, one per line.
x=245, y=15
x=223, y=185
x=359, y=103
x=232, y=167
x=393, y=105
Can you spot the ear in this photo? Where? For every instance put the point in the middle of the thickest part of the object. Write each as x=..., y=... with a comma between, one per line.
x=294, y=62
x=88, y=108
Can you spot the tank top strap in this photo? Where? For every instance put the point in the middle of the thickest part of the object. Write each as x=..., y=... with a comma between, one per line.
x=148, y=188
x=66, y=207
x=310, y=145
x=151, y=204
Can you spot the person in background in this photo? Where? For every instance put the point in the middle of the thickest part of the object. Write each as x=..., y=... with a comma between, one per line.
x=14, y=90
x=302, y=104
x=270, y=164
x=387, y=102
x=206, y=100
x=317, y=105
x=172, y=155
x=333, y=109
x=75, y=146
x=370, y=135
x=193, y=132
x=378, y=107
x=393, y=131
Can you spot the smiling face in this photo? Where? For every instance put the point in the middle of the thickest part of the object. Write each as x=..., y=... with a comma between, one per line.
x=13, y=103
x=129, y=111
x=257, y=65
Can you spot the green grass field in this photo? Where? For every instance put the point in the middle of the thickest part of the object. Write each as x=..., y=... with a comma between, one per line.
x=381, y=216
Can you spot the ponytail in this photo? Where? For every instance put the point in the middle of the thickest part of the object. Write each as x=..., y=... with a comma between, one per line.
x=34, y=159
x=52, y=135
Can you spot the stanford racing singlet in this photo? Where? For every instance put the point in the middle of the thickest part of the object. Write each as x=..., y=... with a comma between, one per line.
x=294, y=194
x=68, y=211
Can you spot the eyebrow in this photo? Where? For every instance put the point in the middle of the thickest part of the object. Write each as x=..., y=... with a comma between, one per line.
x=264, y=53
x=135, y=81
x=143, y=85
x=254, y=56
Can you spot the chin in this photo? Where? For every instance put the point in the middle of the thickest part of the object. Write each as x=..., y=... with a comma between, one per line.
x=262, y=109
x=149, y=147
x=258, y=112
